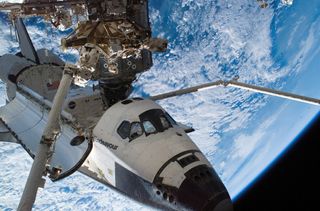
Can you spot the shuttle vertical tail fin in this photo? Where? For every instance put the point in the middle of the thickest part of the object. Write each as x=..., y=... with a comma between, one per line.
x=26, y=45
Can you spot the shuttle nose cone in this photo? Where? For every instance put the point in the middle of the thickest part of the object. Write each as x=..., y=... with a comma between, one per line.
x=203, y=190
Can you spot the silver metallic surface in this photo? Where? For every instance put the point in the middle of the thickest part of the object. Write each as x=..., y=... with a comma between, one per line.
x=52, y=129
x=277, y=93
x=236, y=84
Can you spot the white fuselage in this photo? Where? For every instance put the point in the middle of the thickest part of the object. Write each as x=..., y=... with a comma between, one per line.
x=134, y=146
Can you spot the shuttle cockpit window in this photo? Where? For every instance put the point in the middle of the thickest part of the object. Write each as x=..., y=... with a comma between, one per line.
x=135, y=130
x=164, y=122
x=124, y=129
x=148, y=127
x=154, y=121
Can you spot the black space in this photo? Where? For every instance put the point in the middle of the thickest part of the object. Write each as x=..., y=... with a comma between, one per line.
x=293, y=183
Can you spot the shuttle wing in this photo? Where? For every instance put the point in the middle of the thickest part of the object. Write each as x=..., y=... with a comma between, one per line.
x=5, y=134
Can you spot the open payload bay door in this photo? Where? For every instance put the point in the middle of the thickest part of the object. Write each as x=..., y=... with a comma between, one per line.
x=26, y=120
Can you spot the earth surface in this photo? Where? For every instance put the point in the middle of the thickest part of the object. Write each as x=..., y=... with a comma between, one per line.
x=240, y=132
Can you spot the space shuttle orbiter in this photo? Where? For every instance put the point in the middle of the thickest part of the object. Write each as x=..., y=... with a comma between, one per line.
x=131, y=145
x=134, y=146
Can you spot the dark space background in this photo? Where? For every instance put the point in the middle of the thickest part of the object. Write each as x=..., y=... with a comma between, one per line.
x=293, y=182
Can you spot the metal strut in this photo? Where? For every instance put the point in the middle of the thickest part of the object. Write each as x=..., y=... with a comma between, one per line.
x=42, y=158
x=277, y=93
x=236, y=84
